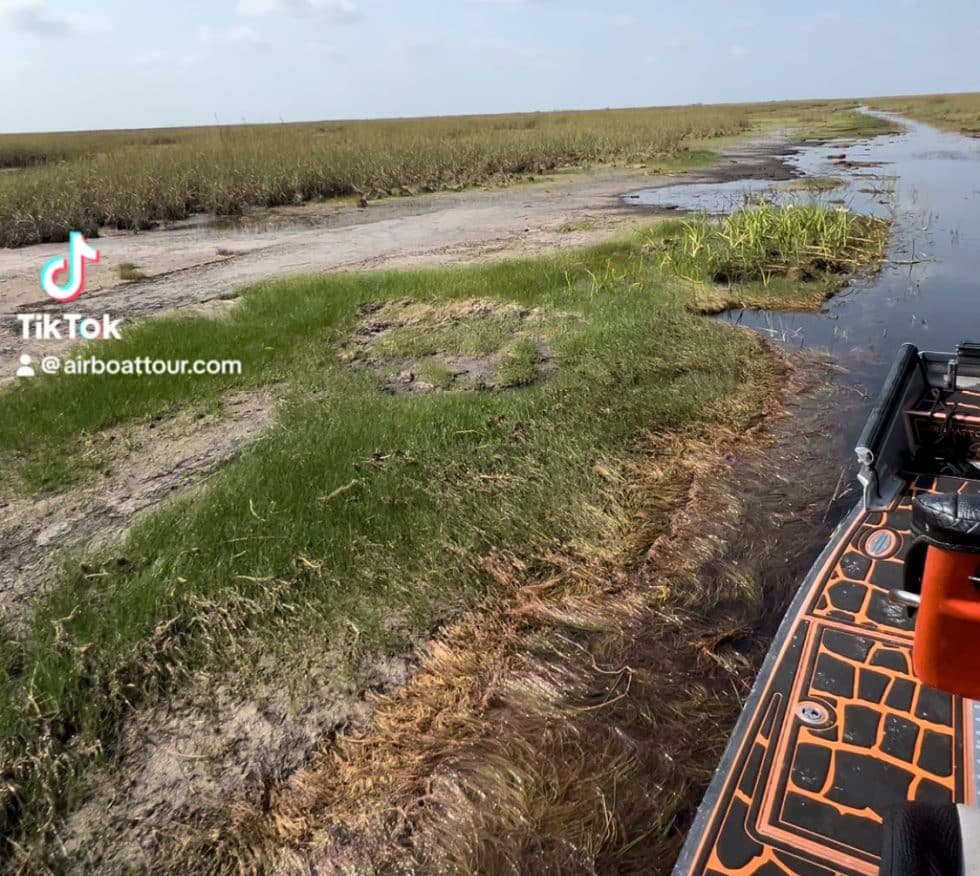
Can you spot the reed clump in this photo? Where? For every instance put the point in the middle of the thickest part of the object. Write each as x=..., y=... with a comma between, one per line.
x=799, y=241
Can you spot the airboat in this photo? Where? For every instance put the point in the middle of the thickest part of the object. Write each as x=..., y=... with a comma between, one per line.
x=858, y=749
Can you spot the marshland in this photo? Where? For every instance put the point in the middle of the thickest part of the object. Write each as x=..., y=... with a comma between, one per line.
x=136, y=180
x=442, y=579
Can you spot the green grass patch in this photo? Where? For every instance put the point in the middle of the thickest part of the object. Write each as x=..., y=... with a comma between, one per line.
x=581, y=225
x=848, y=123
x=820, y=120
x=479, y=335
x=757, y=244
x=520, y=365
x=816, y=184
x=437, y=374
x=362, y=521
x=465, y=345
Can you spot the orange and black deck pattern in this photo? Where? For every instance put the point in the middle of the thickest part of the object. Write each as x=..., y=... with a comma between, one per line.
x=841, y=730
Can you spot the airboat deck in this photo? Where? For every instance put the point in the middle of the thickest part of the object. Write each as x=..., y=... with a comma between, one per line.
x=838, y=730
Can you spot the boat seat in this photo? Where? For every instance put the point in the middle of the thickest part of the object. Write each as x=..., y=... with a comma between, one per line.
x=948, y=520
x=920, y=839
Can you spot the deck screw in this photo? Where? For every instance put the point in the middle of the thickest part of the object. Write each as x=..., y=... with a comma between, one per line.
x=812, y=714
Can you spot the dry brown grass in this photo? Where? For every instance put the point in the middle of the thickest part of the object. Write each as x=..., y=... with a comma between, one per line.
x=135, y=179
x=569, y=725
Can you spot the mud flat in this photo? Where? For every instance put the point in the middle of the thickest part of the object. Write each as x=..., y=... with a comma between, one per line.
x=197, y=263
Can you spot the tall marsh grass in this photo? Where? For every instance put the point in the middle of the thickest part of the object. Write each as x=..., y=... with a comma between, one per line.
x=134, y=179
x=955, y=112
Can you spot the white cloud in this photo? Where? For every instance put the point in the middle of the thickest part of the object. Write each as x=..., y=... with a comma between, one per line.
x=148, y=59
x=325, y=50
x=245, y=35
x=34, y=16
x=242, y=35
x=342, y=11
x=740, y=51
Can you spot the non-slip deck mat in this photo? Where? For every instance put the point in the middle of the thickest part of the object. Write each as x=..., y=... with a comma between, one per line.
x=838, y=729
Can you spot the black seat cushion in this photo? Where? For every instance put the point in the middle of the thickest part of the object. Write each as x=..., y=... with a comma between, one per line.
x=948, y=520
x=922, y=840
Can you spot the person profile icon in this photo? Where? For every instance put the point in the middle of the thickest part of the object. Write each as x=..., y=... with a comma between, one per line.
x=25, y=370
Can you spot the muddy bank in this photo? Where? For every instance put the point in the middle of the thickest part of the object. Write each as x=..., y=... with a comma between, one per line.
x=630, y=681
x=191, y=265
x=140, y=466
x=186, y=762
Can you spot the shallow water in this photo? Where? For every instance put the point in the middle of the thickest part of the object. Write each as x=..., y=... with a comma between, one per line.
x=933, y=180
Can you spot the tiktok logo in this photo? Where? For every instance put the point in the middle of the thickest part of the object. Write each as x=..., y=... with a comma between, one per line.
x=79, y=252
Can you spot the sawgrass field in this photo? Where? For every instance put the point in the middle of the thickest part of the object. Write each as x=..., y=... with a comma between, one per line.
x=51, y=184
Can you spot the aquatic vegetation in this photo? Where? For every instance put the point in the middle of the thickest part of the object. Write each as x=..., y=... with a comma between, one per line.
x=759, y=243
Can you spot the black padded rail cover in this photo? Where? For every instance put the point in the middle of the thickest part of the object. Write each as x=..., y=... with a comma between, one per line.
x=887, y=407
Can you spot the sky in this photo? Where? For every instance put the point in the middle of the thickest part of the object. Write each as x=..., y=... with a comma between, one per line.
x=160, y=63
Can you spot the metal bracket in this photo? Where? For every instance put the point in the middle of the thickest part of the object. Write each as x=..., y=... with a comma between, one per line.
x=867, y=476
x=964, y=352
x=904, y=597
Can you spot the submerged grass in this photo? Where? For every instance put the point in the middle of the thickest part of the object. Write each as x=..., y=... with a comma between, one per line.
x=364, y=520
